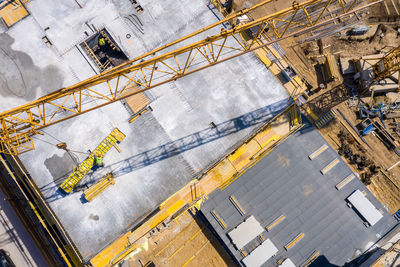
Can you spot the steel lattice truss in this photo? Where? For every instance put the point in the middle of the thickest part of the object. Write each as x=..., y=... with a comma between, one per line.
x=388, y=65
x=163, y=65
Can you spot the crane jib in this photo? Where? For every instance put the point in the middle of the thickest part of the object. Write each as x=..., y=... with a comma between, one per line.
x=157, y=67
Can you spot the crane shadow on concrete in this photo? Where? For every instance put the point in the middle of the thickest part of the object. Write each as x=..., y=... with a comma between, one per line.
x=173, y=148
x=192, y=141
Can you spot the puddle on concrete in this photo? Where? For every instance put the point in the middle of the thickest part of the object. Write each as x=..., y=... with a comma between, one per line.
x=20, y=77
x=59, y=167
x=94, y=217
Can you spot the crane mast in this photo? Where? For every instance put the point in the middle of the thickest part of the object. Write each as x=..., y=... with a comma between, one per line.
x=164, y=65
x=385, y=67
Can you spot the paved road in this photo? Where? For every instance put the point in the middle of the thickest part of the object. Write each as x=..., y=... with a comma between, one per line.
x=15, y=239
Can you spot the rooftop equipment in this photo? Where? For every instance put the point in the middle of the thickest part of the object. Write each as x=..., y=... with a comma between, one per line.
x=245, y=232
x=366, y=209
x=287, y=263
x=261, y=254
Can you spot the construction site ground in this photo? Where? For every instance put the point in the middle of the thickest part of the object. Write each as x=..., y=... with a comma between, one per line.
x=384, y=185
x=164, y=149
x=390, y=258
x=303, y=57
x=185, y=242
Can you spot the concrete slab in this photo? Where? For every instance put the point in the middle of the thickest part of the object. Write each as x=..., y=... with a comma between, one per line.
x=163, y=149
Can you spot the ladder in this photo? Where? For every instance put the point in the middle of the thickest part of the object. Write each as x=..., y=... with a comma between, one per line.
x=108, y=40
x=116, y=136
x=94, y=57
x=324, y=119
x=99, y=187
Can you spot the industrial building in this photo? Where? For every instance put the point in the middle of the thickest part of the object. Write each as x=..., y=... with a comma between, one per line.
x=299, y=209
x=155, y=133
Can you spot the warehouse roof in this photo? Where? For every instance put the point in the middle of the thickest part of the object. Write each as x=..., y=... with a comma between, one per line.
x=301, y=207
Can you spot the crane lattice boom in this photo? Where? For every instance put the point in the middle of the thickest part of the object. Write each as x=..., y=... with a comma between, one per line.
x=163, y=65
x=386, y=67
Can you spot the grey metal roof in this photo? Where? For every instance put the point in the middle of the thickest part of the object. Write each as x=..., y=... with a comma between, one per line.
x=286, y=182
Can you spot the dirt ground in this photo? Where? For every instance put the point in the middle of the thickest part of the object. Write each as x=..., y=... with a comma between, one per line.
x=391, y=258
x=303, y=54
x=384, y=185
x=186, y=241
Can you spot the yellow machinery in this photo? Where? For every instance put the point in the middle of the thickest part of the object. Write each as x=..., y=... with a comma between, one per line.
x=99, y=187
x=113, y=138
x=158, y=67
x=12, y=11
x=331, y=69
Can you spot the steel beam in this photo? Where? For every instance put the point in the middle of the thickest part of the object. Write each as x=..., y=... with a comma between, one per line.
x=385, y=67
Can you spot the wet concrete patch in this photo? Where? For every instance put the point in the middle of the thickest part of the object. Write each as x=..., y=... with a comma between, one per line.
x=20, y=77
x=60, y=167
x=94, y=217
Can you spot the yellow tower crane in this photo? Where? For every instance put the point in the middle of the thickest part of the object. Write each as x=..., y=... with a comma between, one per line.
x=160, y=66
x=385, y=67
